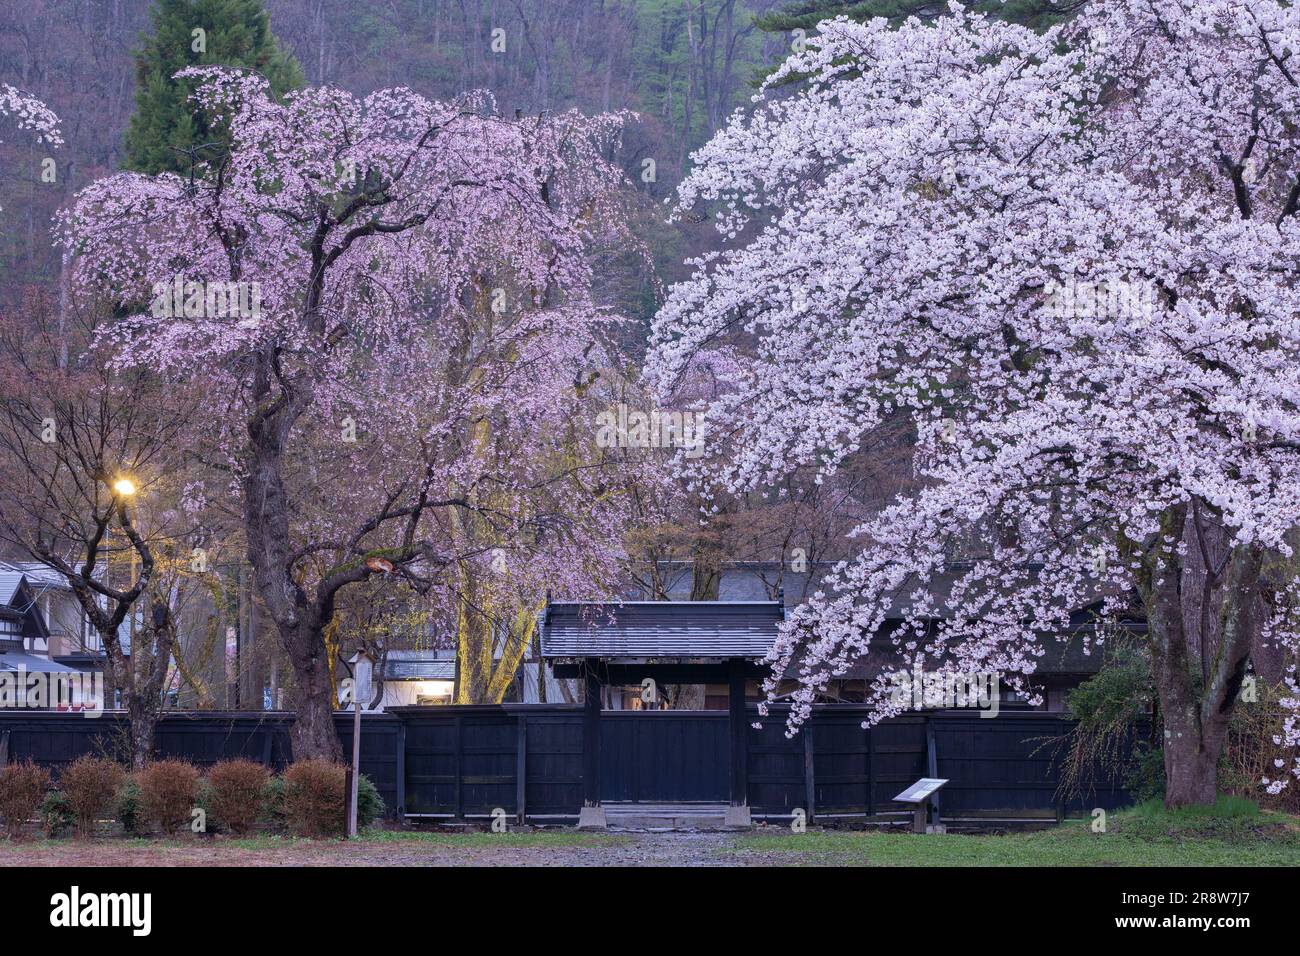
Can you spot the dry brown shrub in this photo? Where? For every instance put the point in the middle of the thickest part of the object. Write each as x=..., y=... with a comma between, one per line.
x=168, y=789
x=314, y=800
x=237, y=793
x=90, y=784
x=22, y=788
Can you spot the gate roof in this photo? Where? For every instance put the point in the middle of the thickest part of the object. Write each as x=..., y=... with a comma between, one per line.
x=678, y=630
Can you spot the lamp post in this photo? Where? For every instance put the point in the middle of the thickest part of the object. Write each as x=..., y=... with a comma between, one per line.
x=353, y=796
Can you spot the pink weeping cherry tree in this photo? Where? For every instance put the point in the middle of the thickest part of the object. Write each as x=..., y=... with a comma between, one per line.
x=391, y=300
x=1070, y=259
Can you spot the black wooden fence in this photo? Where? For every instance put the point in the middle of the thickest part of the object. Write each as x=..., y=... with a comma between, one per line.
x=56, y=739
x=528, y=759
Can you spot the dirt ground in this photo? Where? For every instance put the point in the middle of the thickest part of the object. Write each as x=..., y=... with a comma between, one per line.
x=470, y=849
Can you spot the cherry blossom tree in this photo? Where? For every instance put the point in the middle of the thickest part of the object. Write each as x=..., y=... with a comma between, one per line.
x=1070, y=258
x=390, y=299
x=29, y=113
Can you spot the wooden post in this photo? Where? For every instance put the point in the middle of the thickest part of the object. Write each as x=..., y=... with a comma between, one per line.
x=591, y=740
x=401, y=771
x=871, y=771
x=355, y=783
x=521, y=769
x=460, y=774
x=736, y=726
x=4, y=747
x=931, y=758
x=809, y=783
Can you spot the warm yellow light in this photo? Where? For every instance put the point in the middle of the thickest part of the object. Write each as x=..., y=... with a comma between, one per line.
x=124, y=487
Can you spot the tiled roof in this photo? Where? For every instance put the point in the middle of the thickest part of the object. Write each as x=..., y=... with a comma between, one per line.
x=9, y=581
x=660, y=629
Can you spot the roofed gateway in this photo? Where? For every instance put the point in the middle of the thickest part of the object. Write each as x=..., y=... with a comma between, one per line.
x=690, y=642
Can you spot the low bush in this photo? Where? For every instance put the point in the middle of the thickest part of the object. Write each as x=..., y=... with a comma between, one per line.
x=370, y=805
x=91, y=785
x=168, y=789
x=22, y=788
x=314, y=800
x=57, y=817
x=128, y=807
x=203, y=802
x=273, y=802
x=236, y=792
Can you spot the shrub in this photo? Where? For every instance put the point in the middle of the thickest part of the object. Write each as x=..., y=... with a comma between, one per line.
x=370, y=805
x=167, y=793
x=22, y=788
x=57, y=817
x=128, y=807
x=91, y=785
x=1257, y=746
x=273, y=802
x=314, y=802
x=236, y=793
x=1146, y=779
x=203, y=801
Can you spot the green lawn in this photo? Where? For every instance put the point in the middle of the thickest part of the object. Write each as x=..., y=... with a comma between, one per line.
x=1234, y=833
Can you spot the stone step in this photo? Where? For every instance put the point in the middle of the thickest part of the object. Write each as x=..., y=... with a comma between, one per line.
x=666, y=816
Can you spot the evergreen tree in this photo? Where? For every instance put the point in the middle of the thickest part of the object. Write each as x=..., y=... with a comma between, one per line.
x=165, y=132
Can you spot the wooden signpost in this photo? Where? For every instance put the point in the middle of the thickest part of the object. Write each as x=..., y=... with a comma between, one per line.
x=919, y=795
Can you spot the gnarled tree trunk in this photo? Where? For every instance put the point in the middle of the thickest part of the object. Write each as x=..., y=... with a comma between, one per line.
x=1196, y=719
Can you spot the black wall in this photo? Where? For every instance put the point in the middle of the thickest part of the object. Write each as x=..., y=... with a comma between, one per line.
x=56, y=739
x=469, y=761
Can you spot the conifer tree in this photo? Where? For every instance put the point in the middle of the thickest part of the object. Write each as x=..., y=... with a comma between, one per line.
x=166, y=131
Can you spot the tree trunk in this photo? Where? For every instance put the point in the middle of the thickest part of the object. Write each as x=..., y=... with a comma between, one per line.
x=313, y=734
x=1191, y=767
x=300, y=619
x=142, y=719
x=1196, y=720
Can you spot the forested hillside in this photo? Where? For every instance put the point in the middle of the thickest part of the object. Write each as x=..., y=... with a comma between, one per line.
x=681, y=65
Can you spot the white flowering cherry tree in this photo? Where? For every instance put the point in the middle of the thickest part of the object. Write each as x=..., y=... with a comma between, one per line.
x=1070, y=258
x=29, y=113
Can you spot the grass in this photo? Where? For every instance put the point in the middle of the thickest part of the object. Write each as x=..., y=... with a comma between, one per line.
x=1233, y=832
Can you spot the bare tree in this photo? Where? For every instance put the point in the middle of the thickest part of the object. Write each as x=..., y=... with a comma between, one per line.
x=80, y=444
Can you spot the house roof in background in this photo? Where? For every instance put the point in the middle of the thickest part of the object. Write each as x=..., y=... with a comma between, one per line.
x=419, y=670
x=17, y=660
x=660, y=629
x=38, y=575
x=9, y=583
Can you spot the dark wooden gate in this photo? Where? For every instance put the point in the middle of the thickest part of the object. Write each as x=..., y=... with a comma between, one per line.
x=658, y=756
